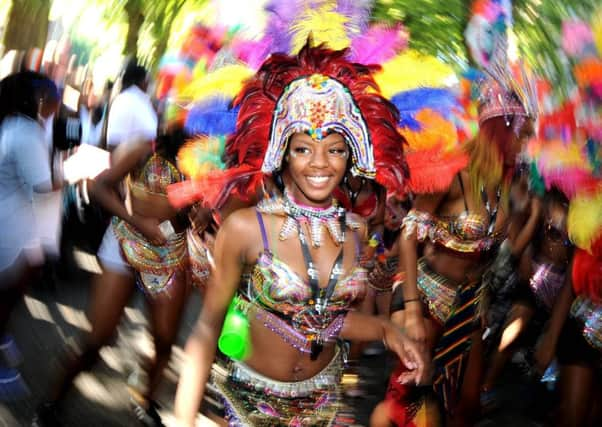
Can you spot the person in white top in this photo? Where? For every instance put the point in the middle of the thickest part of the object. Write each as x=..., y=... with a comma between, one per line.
x=132, y=114
x=24, y=170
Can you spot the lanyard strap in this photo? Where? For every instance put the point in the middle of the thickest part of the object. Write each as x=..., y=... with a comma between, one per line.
x=321, y=296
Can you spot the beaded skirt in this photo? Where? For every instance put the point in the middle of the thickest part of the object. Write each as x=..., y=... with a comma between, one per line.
x=251, y=399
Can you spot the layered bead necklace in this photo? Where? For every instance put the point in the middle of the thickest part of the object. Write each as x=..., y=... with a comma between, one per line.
x=317, y=219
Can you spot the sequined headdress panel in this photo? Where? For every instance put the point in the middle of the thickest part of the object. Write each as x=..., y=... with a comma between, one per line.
x=505, y=93
x=319, y=105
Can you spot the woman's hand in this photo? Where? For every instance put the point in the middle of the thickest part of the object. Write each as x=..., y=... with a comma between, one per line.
x=414, y=323
x=409, y=353
x=200, y=218
x=150, y=228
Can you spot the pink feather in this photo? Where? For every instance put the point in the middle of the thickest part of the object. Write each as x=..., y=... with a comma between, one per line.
x=252, y=52
x=379, y=44
x=568, y=180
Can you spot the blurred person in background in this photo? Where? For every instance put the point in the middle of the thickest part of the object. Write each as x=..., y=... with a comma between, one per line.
x=24, y=170
x=131, y=113
x=135, y=251
x=93, y=115
x=448, y=241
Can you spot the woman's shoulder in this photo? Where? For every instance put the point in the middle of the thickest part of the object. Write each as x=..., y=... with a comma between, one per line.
x=241, y=221
x=20, y=123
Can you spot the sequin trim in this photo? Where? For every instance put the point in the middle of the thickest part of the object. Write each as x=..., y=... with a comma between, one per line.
x=154, y=264
x=253, y=399
x=589, y=314
x=435, y=292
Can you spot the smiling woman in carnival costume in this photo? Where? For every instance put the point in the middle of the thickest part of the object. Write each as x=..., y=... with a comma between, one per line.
x=306, y=119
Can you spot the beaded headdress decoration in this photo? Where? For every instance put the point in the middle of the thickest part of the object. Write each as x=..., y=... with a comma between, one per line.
x=319, y=105
x=504, y=94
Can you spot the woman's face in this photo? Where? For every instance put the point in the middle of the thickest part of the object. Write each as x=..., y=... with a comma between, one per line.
x=315, y=167
x=555, y=227
x=517, y=143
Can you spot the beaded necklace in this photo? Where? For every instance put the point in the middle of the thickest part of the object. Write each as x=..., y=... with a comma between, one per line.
x=316, y=218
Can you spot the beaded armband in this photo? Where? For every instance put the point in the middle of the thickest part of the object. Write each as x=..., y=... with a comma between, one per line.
x=418, y=222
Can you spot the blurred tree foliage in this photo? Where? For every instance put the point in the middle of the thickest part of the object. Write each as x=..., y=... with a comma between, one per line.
x=34, y=13
x=152, y=19
x=437, y=27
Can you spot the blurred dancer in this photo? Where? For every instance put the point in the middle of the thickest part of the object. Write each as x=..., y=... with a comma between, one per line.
x=461, y=228
x=542, y=273
x=131, y=114
x=144, y=245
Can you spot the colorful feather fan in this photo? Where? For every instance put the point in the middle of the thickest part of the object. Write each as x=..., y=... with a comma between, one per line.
x=587, y=271
x=334, y=22
x=441, y=100
x=434, y=155
x=561, y=164
x=225, y=82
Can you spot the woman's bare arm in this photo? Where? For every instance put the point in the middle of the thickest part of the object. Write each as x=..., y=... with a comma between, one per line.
x=229, y=254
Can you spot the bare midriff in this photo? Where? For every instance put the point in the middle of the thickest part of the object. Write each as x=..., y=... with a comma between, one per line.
x=278, y=360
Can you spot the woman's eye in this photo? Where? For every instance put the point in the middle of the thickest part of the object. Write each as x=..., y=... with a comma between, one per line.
x=301, y=150
x=339, y=152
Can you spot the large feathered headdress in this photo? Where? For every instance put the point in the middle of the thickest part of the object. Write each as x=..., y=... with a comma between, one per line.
x=286, y=95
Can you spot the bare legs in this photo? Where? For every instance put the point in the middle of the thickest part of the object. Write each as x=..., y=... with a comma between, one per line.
x=576, y=395
x=111, y=292
x=518, y=319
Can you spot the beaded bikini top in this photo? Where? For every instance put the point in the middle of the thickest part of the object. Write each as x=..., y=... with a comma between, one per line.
x=284, y=302
x=154, y=177
x=464, y=233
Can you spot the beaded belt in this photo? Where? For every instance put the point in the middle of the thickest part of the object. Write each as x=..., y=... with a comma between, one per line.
x=327, y=377
x=250, y=398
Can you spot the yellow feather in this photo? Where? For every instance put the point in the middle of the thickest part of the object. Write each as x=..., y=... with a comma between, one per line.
x=597, y=30
x=410, y=70
x=324, y=24
x=226, y=81
x=584, y=221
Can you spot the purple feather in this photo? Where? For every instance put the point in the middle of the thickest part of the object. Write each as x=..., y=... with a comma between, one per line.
x=442, y=101
x=358, y=12
x=213, y=117
x=281, y=14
